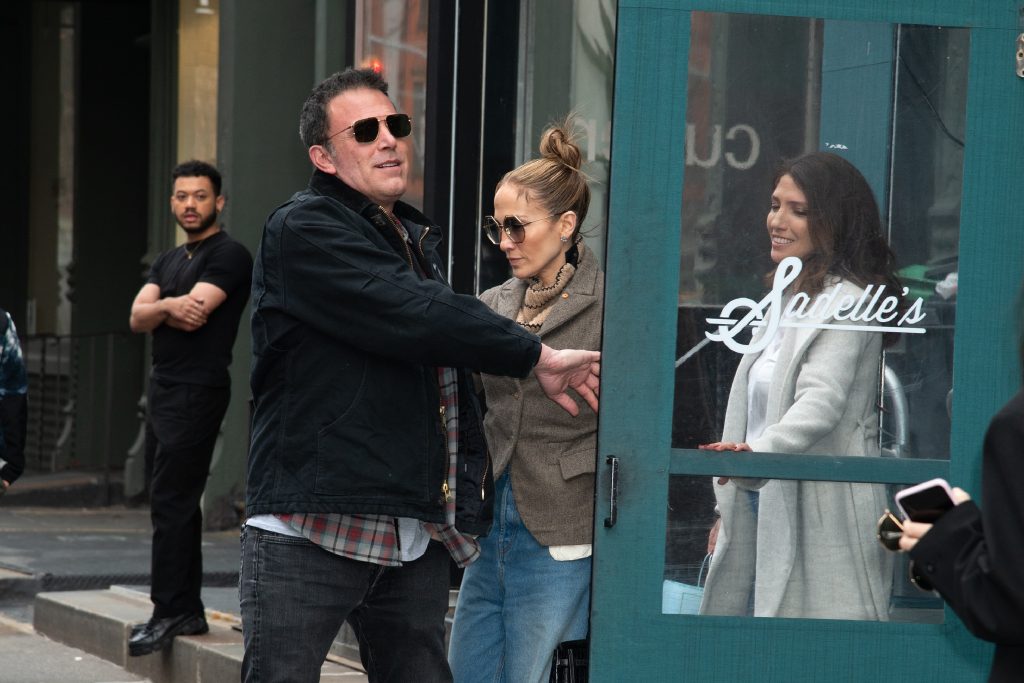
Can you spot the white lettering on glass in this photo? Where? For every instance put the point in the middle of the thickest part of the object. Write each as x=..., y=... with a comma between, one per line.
x=755, y=147
x=715, y=154
x=872, y=306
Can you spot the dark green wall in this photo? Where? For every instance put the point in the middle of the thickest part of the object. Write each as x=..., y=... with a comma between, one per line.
x=110, y=214
x=271, y=53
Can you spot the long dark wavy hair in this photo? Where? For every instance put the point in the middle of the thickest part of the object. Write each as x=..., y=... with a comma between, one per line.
x=844, y=224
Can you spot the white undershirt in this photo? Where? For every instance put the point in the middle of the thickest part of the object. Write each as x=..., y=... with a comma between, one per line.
x=567, y=553
x=412, y=537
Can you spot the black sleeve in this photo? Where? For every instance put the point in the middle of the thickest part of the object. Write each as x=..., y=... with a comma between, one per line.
x=155, y=269
x=974, y=557
x=340, y=277
x=13, y=404
x=230, y=268
x=14, y=416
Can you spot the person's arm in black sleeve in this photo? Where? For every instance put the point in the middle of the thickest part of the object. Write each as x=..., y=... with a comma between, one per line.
x=13, y=405
x=229, y=272
x=975, y=557
x=344, y=280
x=14, y=413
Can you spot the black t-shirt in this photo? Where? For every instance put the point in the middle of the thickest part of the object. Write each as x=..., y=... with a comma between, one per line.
x=202, y=356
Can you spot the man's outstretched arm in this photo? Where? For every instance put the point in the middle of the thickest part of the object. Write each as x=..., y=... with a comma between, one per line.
x=558, y=370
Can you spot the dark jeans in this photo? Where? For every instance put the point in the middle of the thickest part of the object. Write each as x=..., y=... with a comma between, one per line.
x=185, y=419
x=295, y=596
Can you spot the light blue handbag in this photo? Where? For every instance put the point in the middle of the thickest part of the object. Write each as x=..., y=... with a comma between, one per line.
x=684, y=598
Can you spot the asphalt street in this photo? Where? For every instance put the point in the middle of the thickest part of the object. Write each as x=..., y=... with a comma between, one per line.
x=87, y=547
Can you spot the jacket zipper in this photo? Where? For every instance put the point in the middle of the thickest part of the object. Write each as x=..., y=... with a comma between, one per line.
x=446, y=492
x=426, y=231
x=405, y=242
x=483, y=479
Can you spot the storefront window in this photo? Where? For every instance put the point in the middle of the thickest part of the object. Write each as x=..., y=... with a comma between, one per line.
x=198, y=66
x=391, y=37
x=874, y=376
x=566, y=62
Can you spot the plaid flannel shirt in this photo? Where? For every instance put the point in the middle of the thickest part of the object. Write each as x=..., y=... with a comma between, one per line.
x=374, y=538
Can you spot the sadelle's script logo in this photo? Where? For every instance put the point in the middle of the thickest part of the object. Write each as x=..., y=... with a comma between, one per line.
x=871, y=311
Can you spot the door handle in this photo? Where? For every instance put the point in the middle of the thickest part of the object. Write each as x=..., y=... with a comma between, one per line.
x=613, y=497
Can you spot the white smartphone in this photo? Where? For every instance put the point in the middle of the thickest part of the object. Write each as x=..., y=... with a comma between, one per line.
x=925, y=502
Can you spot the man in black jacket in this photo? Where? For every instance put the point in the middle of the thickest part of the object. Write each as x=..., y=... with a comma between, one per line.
x=367, y=469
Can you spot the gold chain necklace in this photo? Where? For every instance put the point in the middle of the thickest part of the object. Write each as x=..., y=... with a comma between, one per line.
x=191, y=253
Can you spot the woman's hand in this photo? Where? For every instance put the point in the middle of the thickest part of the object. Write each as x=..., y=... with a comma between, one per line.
x=724, y=446
x=915, y=531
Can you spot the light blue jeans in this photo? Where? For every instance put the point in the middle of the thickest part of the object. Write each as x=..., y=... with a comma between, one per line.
x=516, y=604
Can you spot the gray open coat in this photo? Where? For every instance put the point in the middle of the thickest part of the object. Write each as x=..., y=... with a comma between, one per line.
x=551, y=455
x=810, y=548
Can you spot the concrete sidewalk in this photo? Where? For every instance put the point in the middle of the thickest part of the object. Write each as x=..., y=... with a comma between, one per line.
x=98, y=622
x=79, y=576
x=26, y=657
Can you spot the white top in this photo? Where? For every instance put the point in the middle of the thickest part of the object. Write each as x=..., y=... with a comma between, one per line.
x=759, y=383
x=567, y=553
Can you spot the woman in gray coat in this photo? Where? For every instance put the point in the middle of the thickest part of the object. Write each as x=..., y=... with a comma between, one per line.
x=790, y=548
x=530, y=588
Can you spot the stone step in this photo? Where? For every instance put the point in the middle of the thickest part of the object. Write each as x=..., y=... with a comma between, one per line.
x=99, y=621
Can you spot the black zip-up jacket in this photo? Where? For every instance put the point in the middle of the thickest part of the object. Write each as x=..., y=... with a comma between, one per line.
x=347, y=334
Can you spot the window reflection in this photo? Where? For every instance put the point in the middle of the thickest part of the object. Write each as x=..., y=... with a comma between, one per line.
x=888, y=101
x=888, y=98
x=822, y=561
x=392, y=38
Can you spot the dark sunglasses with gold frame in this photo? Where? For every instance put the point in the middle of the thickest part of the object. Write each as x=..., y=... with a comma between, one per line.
x=513, y=226
x=366, y=130
x=890, y=530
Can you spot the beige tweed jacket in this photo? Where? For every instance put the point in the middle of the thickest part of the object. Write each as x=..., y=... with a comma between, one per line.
x=551, y=455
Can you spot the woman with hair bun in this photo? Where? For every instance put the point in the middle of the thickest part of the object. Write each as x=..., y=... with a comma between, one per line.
x=530, y=588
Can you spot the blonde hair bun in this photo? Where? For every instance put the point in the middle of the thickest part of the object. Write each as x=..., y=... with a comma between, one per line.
x=559, y=144
x=555, y=181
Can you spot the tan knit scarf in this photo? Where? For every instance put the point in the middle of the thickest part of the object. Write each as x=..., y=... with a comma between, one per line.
x=538, y=300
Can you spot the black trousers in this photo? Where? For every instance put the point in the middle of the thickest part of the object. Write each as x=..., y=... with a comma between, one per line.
x=185, y=420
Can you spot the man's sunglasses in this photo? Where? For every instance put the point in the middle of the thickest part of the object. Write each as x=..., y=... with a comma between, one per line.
x=513, y=227
x=366, y=130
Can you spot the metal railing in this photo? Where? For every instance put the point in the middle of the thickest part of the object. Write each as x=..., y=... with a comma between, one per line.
x=60, y=368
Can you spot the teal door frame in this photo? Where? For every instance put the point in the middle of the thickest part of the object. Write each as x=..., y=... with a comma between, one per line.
x=631, y=639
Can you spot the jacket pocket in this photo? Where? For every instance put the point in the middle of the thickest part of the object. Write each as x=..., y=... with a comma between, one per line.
x=383, y=446
x=579, y=462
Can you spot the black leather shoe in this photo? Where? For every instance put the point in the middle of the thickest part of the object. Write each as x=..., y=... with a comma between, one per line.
x=155, y=633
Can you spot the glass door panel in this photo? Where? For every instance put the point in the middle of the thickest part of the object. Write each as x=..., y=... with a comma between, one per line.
x=857, y=90
x=707, y=104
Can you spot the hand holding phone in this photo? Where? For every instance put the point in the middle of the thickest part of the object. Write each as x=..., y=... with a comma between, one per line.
x=925, y=502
